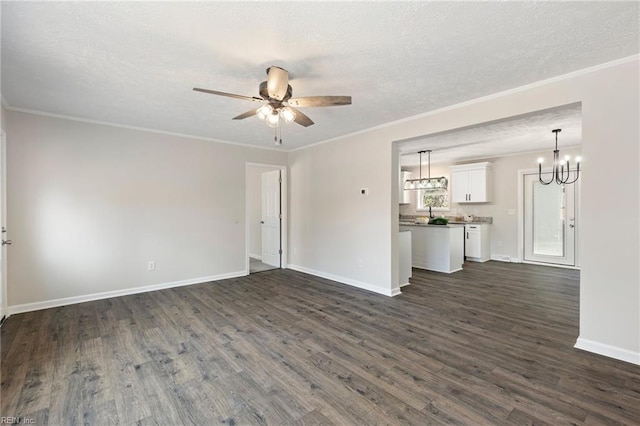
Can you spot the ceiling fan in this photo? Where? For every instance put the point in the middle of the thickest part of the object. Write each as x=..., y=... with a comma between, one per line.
x=277, y=103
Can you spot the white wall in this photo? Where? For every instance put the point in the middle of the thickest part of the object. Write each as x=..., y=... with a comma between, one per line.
x=343, y=227
x=333, y=226
x=505, y=197
x=254, y=207
x=90, y=205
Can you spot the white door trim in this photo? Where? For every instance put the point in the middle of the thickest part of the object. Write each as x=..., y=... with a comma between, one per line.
x=285, y=216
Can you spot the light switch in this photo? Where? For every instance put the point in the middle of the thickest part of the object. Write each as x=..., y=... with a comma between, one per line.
x=364, y=191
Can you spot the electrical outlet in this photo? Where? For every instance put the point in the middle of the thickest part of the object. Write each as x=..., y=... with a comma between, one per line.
x=151, y=265
x=360, y=263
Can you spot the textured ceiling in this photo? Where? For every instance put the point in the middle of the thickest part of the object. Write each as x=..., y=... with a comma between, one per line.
x=134, y=63
x=526, y=133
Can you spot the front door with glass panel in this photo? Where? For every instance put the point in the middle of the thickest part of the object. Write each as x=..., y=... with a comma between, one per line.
x=550, y=221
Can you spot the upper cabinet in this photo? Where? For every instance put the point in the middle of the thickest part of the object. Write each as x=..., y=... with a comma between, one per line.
x=472, y=183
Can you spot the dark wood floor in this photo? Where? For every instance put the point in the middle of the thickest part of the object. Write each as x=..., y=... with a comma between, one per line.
x=492, y=344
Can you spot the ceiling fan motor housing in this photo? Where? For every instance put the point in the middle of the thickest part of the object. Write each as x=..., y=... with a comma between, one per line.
x=265, y=93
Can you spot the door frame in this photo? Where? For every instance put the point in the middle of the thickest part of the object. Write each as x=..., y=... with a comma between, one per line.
x=521, y=214
x=283, y=205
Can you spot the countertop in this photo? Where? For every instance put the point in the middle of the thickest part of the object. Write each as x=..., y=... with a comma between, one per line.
x=469, y=223
x=450, y=225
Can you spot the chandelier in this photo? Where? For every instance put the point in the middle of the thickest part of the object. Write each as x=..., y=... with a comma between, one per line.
x=558, y=170
x=428, y=183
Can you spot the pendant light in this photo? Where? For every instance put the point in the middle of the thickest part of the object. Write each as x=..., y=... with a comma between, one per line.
x=558, y=168
x=428, y=183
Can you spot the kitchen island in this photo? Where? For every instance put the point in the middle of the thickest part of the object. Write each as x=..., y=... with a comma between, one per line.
x=437, y=248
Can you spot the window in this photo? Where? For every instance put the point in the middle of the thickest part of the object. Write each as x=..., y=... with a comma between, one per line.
x=438, y=199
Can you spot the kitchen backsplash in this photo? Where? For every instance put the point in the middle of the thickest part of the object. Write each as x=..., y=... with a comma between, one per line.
x=474, y=219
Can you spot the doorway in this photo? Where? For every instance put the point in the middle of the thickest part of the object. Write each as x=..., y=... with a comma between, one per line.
x=266, y=217
x=551, y=224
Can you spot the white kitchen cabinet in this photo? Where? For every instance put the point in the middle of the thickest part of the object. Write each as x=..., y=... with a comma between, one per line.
x=405, y=196
x=477, y=243
x=471, y=183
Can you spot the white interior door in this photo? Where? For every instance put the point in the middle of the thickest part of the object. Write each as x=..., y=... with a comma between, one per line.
x=271, y=218
x=3, y=237
x=550, y=221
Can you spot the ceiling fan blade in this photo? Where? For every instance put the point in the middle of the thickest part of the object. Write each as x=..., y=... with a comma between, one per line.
x=277, y=82
x=301, y=118
x=319, y=101
x=246, y=114
x=229, y=95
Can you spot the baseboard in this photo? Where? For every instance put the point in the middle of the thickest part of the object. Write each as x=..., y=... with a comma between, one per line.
x=348, y=281
x=405, y=284
x=476, y=259
x=255, y=256
x=501, y=258
x=36, y=306
x=505, y=258
x=608, y=350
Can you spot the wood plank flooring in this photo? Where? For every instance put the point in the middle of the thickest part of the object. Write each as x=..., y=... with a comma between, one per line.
x=492, y=344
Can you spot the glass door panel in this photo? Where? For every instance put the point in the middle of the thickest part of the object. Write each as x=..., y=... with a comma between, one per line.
x=549, y=222
x=549, y=207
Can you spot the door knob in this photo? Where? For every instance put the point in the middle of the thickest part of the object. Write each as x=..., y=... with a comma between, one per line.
x=571, y=225
x=6, y=242
x=262, y=222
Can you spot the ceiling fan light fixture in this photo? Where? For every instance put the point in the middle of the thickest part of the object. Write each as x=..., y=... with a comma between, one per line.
x=264, y=111
x=287, y=114
x=273, y=119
